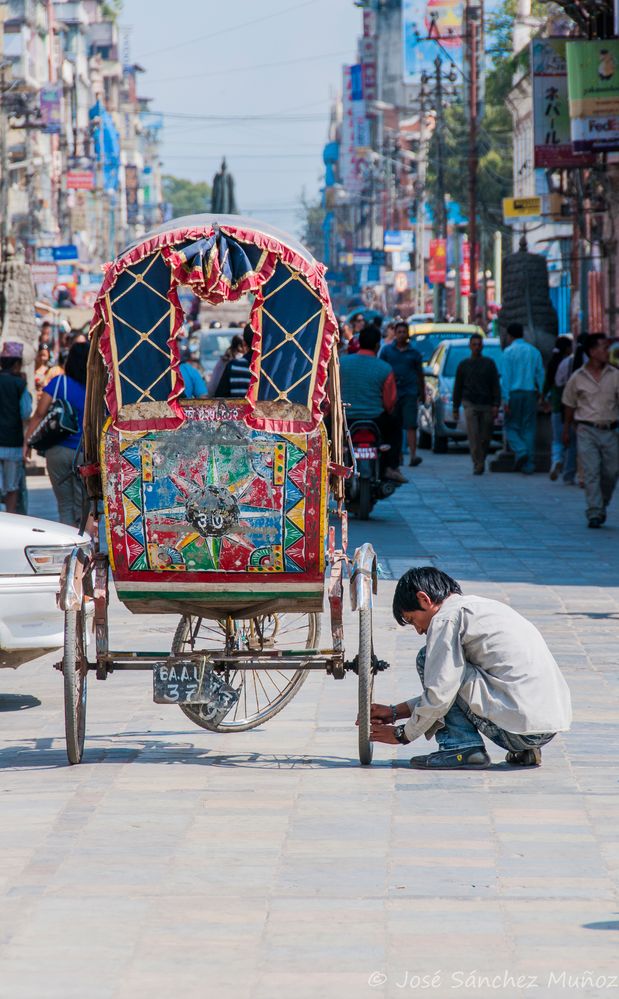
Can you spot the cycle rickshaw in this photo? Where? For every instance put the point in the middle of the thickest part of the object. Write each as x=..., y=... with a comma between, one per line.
x=216, y=510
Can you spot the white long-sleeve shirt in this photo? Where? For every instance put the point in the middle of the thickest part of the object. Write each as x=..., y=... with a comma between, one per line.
x=497, y=662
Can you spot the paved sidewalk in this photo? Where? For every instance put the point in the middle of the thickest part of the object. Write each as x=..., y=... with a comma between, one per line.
x=174, y=862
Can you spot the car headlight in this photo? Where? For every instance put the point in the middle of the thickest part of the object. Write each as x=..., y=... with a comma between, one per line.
x=49, y=559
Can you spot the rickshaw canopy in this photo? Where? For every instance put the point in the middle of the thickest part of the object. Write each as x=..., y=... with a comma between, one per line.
x=138, y=317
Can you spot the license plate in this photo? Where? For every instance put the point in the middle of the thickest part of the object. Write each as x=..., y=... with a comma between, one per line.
x=188, y=681
x=366, y=452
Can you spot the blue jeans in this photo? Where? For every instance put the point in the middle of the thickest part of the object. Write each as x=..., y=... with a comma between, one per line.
x=521, y=425
x=567, y=456
x=462, y=728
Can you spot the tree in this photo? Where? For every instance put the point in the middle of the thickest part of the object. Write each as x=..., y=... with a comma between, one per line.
x=186, y=197
x=311, y=219
x=495, y=130
x=112, y=9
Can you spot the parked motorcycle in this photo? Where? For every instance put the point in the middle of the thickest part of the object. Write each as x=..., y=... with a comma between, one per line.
x=366, y=486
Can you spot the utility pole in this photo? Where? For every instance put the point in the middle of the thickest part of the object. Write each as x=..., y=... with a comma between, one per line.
x=472, y=41
x=420, y=231
x=4, y=165
x=440, y=177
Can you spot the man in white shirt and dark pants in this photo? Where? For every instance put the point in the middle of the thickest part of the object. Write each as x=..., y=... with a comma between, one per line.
x=485, y=670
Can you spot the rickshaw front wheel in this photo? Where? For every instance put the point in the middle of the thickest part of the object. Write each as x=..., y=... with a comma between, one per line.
x=366, y=685
x=75, y=673
x=262, y=693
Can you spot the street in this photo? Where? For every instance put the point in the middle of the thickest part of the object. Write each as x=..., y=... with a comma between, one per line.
x=176, y=862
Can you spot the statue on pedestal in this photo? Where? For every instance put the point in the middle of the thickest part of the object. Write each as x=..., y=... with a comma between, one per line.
x=222, y=196
x=526, y=299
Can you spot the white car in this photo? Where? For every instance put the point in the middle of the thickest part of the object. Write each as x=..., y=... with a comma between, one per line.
x=32, y=553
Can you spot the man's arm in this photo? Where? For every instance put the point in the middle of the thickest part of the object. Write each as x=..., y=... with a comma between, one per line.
x=222, y=391
x=506, y=379
x=540, y=374
x=421, y=381
x=568, y=420
x=457, y=393
x=390, y=393
x=443, y=676
x=495, y=386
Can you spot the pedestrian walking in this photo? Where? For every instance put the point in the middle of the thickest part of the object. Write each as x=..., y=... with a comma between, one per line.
x=62, y=459
x=591, y=401
x=408, y=369
x=15, y=409
x=234, y=382
x=563, y=459
x=485, y=671
x=477, y=387
x=522, y=381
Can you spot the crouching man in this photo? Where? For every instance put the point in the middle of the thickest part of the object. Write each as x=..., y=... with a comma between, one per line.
x=485, y=670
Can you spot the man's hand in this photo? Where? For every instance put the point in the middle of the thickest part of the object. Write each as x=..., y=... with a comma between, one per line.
x=383, y=733
x=380, y=713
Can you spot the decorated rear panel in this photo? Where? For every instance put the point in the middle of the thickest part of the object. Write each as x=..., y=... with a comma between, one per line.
x=215, y=498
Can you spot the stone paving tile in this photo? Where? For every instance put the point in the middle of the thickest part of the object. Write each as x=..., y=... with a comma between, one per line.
x=177, y=862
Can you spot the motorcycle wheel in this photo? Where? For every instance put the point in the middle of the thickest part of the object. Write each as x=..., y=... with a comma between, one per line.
x=365, y=499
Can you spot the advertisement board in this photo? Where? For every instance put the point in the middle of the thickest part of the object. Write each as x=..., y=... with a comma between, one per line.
x=430, y=29
x=49, y=102
x=349, y=159
x=80, y=180
x=437, y=270
x=593, y=91
x=551, y=115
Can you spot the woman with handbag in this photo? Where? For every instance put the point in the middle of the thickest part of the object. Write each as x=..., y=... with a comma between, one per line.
x=55, y=430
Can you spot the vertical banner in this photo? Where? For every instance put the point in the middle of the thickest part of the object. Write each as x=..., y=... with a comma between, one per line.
x=551, y=116
x=131, y=192
x=437, y=270
x=428, y=29
x=349, y=162
x=465, y=271
x=593, y=90
x=360, y=123
x=49, y=102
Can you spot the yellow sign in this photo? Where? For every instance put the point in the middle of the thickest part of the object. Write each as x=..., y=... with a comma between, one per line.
x=521, y=208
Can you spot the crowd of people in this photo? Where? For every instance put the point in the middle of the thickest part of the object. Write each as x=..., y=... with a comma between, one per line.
x=382, y=380
x=579, y=388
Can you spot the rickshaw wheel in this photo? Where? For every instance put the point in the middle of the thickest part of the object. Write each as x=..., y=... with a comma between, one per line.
x=75, y=672
x=366, y=684
x=263, y=693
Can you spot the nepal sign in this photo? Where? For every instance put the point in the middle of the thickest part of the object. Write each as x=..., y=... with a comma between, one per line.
x=551, y=117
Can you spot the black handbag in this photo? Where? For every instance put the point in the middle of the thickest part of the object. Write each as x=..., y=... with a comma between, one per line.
x=59, y=422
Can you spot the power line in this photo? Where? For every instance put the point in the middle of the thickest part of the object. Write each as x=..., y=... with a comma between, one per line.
x=234, y=27
x=247, y=69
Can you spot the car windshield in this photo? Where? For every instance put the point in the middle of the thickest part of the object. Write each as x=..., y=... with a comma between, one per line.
x=213, y=345
x=461, y=352
x=426, y=343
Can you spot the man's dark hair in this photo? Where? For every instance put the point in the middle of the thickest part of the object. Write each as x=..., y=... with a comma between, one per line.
x=8, y=363
x=515, y=330
x=248, y=336
x=475, y=336
x=369, y=338
x=592, y=340
x=437, y=584
x=399, y=324
x=77, y=361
